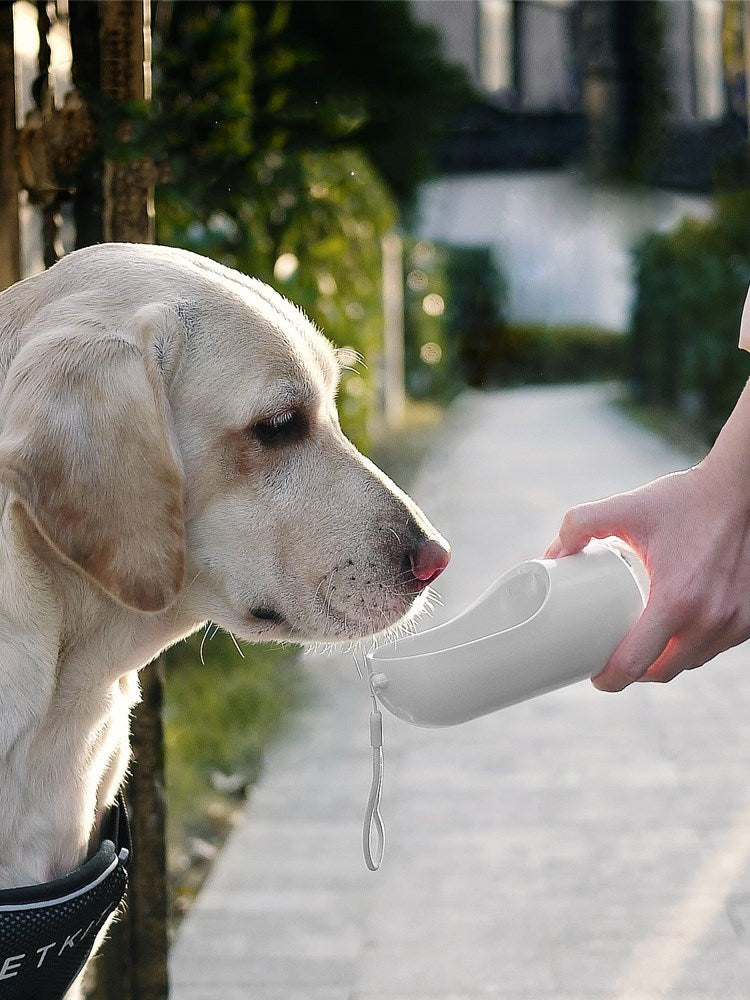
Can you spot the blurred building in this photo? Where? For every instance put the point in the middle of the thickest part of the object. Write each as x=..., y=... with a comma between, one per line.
x=504, y=45
x=572, y=80
x=572, y=94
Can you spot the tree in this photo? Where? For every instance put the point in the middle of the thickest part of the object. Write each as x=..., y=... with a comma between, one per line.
x=291, y=134
x=367, y=73
x=237, y=79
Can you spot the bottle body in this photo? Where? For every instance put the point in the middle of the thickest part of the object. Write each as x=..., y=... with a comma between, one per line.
x=543, y=625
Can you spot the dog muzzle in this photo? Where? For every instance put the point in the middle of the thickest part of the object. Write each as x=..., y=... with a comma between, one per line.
x=47, y=931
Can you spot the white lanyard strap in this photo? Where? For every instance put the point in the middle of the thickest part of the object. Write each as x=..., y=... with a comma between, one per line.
x=373, y=831
x=373, y=820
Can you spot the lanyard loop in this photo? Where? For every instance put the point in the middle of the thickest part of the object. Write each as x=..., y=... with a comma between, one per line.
x=373, y=820
x=373, y=830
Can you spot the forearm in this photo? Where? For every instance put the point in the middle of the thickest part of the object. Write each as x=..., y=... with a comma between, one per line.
x=729, y=458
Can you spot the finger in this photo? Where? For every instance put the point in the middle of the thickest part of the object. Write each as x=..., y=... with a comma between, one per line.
x=639, y=650
x=554, y=550
x=664, y=673
x=672, y=662
x=678, y=657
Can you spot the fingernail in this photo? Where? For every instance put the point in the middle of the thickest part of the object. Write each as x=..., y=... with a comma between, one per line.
x=603, y=682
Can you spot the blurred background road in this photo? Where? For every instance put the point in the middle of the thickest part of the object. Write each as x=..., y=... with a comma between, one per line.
x=577, y=846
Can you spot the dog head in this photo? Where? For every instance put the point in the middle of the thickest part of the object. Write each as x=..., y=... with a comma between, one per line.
x=169, y=426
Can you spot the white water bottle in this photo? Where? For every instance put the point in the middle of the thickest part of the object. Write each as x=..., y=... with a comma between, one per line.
x=544, y=624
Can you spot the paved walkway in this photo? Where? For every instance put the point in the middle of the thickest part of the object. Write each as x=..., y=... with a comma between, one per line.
x=581, y=845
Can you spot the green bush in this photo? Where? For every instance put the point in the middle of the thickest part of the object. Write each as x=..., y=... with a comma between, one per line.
x=690, y=287
x=538, y=353
x=313, y=232
x=429, y=353
x=457, y=333
x=287, y=151
x=454, y=303
x=478, y=297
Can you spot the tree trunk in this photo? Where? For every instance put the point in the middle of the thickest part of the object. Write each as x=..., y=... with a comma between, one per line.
x=86, y=71
x=126, y=76
x=10, y=249
x=148, y=887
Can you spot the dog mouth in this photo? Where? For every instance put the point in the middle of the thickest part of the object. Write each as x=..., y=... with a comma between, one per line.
x=357, y=598
x=355, y=613
x=363, y=616
x=267, y=614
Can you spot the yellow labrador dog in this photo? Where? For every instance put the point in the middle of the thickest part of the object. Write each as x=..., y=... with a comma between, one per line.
x=170, y=453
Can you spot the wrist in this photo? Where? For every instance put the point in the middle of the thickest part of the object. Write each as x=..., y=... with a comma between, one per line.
x=728, y=461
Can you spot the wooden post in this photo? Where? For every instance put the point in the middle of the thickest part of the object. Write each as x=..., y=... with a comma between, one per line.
x=10, y=243
x=394, y=393
x=147, y=903
x=125, y=31
x=51, y=243
x=86, y=72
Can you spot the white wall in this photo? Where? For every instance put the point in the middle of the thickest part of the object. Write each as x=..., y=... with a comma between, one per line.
x=564, y=244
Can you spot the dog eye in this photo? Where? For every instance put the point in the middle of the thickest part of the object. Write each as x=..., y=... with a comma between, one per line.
x=282, y=429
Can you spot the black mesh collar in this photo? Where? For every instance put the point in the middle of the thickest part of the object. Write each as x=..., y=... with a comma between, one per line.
x=47, y=931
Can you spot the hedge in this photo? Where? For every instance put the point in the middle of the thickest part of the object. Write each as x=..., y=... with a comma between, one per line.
x=538, y=353
x=690, y=286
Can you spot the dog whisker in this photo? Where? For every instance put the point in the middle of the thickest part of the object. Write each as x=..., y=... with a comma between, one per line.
x=236, y=644
x=350, y=359
x=203, y=640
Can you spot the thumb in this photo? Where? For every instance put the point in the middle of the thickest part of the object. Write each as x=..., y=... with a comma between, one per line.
x=592, y=520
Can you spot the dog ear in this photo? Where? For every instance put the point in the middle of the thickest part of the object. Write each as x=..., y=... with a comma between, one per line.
x=87, y=445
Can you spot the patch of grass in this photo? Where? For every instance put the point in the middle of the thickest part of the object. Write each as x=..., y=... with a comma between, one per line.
x=220, y=716
x=674, y=428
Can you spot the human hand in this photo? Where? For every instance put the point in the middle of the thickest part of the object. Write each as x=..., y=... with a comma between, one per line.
x=692, y=532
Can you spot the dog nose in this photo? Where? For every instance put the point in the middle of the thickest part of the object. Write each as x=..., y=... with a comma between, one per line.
x=428, y=560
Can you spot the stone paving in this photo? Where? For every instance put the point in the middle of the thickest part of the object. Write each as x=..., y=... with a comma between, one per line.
x=581, y=846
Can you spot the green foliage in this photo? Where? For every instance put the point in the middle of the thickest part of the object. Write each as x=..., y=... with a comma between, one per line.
x=429, y=353
x=270, y=116
x=369, y=71
x=477, y=302
x=313, y=230
x=538, y=353
x=690, y=286
x=455, y=300
x=219, y=716
x=239, y=79
x=457, y=333
x=203, y=125
x=335, y=232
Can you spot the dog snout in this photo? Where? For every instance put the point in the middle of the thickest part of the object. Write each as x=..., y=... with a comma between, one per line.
x=427, y=560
